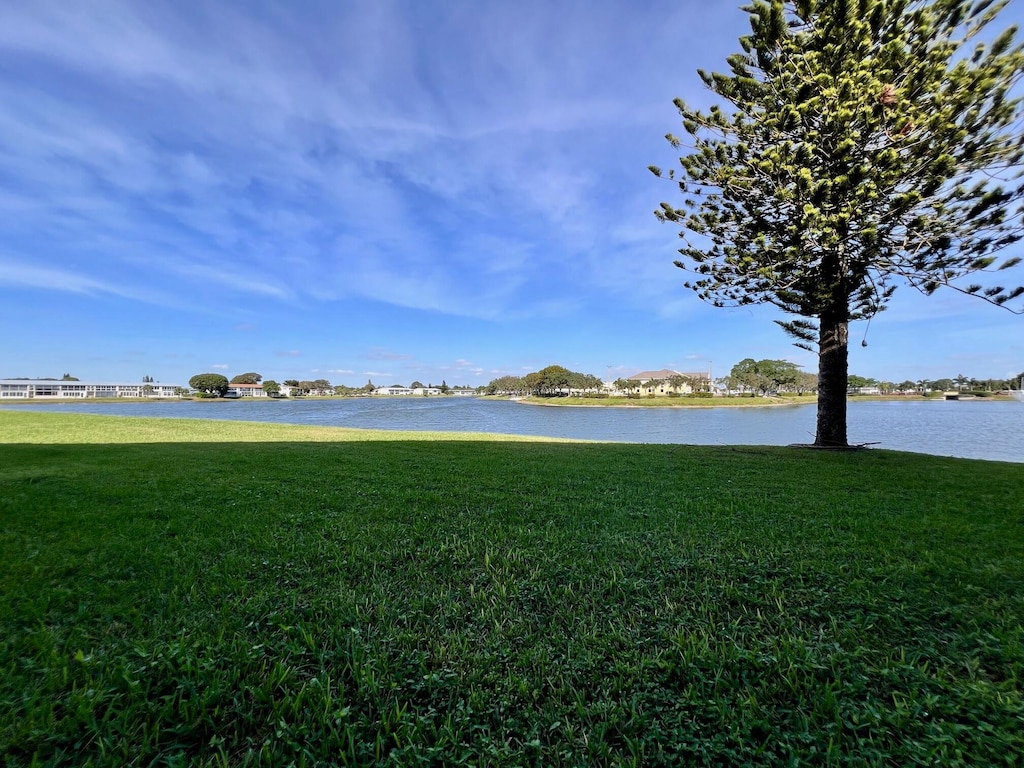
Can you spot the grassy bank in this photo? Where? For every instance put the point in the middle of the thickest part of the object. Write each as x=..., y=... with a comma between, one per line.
x=218, y=593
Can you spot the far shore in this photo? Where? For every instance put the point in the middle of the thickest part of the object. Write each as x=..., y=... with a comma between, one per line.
x=663, y=402
x=726, y=401
x=723, y=402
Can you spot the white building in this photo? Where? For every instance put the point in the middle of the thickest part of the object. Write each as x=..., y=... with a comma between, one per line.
x=392, y=391
x=245, y=390
x=398, y=391
x=698, y=378
x=38, y=389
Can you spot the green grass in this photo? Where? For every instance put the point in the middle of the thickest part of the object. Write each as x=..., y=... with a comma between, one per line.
x=213, y=593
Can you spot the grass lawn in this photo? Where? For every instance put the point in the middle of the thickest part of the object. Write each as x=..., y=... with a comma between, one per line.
x=200, y=593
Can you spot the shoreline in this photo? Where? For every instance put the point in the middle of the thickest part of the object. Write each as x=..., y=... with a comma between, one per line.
x=754, y=403
x=553, y=402
x=730, y=402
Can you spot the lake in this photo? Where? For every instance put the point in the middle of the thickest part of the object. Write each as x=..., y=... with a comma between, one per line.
x=970, y=429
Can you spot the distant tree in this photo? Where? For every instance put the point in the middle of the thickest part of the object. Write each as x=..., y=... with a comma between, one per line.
x=532, y=382
x=369, y=386
x=865, y=145
x=553, y=380
x=745, y=375
x=69, y=377
x=147, y=390
x=506, y=385
x=291, y=382
x=856, y=382
x=629, y=386
x=444, y=387
x=763, y=376
x=322, y=387
x=781, y=373
x=960, y=381
x=210, y=384
x=416, y=385
x=147, y=379
x=556, y=380
x=247, y=378
x=677, y=381
x=180, y=391
x=805, y=382
x=271, y=387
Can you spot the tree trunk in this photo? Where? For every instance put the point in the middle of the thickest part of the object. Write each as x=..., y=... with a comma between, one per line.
x=833, y=356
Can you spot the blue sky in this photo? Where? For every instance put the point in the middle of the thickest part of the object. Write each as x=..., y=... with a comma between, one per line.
x=379, y=190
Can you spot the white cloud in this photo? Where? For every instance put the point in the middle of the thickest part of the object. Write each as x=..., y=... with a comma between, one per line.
x=288, y=168
x=286, y=175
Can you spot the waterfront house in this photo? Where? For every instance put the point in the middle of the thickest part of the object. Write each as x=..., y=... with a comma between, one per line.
x=245, y=390
x=700, y=378
x=52, y=389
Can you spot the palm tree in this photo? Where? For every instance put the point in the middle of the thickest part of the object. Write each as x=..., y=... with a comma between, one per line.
x=677, y=381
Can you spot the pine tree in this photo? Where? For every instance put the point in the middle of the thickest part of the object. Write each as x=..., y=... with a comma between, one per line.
x=871, y=143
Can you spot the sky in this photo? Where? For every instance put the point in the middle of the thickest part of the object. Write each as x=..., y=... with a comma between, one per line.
x=385, y=191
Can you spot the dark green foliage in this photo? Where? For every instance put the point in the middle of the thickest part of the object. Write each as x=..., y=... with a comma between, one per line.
x=247, y=378
x=406, y=603
x=764, y=376
x=871, y=143
x=210, y=384
x=507, y=385
x=553, y=381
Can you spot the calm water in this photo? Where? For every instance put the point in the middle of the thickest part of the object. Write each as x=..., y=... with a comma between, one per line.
x=974, y=429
